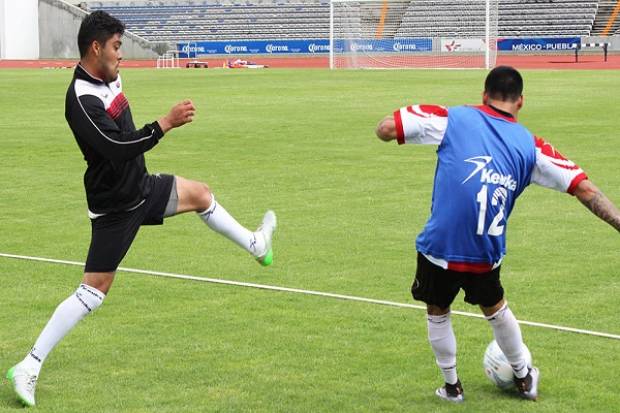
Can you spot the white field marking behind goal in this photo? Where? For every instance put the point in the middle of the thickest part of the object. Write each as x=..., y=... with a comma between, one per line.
x=307, y=292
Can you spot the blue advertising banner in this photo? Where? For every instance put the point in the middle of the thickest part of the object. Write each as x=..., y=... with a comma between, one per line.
x=403, y=45
x=316, y=46
x=535, y=45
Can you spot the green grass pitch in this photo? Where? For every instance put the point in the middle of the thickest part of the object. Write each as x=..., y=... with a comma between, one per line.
x=349, y=206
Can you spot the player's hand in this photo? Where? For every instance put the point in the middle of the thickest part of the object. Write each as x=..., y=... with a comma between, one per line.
x=179, y=115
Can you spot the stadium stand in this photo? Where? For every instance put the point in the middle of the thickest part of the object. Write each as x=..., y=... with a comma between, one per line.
x=223, y=20
x=290, y=19
x=521, y=18
x=531, y=18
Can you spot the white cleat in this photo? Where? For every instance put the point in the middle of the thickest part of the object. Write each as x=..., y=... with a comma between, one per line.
x=451, y=392
x=24, y=383
x=266, y=230
x=528, y=386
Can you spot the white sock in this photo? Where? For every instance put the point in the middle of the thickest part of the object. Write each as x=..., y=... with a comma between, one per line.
x=220, y=221
x=85, y=300
x=508, y=336
x=443, y=342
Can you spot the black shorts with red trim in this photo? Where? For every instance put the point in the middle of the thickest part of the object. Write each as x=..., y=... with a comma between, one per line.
x=437, y=286
x=112, y=234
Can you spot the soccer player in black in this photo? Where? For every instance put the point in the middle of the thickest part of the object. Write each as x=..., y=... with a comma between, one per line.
x=121, y=194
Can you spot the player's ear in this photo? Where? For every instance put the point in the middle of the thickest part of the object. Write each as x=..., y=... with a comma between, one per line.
x=96, y=48
x=485, y=97
x=520, y=102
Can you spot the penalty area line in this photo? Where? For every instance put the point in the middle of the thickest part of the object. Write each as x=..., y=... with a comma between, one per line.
x=305, y=292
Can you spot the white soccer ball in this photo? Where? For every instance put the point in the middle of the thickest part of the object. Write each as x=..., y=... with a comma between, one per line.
x=498, y=369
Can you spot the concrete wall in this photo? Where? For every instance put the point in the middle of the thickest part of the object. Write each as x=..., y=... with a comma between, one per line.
x=2, y=34
x=19, y=31
x=614, y=40
x=59, y=23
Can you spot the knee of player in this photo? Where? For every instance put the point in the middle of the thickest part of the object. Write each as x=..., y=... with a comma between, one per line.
x=204, y=197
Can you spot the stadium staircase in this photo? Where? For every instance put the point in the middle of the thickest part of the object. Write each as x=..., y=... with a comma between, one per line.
x=605, y=10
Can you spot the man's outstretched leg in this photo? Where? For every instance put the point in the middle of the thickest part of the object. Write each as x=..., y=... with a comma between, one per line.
x=508, y=336
x=86, y=299
x=196, y=196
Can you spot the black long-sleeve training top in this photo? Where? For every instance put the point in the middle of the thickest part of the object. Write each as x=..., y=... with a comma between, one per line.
x=98, y=114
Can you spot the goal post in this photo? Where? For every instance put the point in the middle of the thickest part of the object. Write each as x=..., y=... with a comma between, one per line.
x=168, y=60
x=413, y=33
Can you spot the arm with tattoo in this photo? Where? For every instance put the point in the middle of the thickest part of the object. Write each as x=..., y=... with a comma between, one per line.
x=598, y=203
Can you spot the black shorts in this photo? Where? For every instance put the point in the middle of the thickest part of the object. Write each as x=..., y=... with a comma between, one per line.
x=112, y=234
x=436, y=286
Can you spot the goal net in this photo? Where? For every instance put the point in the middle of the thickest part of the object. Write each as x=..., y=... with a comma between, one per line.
x=413, y=34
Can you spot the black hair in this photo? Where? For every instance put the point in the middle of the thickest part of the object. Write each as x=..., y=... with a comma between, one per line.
x=504, y=83
x=99, y=26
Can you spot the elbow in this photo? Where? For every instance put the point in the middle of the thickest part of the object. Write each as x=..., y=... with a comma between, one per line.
x=386, y=130
x=379, y=130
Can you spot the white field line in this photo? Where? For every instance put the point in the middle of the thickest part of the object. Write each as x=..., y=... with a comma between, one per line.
x=307, y=292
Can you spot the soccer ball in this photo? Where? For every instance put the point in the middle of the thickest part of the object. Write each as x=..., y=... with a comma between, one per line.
x=498, y=369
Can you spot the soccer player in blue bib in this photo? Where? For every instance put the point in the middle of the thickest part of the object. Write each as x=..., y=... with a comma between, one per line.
x=485, y=160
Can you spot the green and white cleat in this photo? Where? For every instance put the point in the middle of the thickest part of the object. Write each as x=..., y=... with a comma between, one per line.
x=266, y=260
x=24, y=383
x=266, y=230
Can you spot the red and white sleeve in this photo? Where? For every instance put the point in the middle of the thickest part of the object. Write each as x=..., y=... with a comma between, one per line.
x=422, y=124
x=554, y=171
